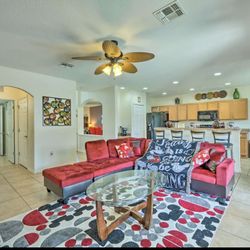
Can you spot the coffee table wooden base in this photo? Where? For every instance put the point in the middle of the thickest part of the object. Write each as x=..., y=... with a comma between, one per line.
x=104, y=230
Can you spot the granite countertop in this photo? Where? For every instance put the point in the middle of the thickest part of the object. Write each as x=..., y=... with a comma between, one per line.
x=228, y=129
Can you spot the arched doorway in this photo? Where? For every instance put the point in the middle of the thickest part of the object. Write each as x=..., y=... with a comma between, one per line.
x=17, y=126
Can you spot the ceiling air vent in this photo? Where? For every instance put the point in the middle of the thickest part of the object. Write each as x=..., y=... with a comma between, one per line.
x=168, y=12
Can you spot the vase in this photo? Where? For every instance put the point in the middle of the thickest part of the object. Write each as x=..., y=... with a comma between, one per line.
x=236, y=94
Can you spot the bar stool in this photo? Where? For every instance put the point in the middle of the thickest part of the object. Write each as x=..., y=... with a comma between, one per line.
x=176, y=134
x=159, y=134
x=223, y=137
x=197, y=135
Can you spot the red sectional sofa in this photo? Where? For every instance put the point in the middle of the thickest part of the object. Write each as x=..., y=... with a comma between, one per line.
x=102, y=159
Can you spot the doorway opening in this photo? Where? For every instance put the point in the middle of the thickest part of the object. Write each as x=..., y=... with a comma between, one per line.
x=93, y=118
x=17, y=127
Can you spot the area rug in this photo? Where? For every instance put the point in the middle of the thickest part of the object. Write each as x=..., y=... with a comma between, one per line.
x=179, y=220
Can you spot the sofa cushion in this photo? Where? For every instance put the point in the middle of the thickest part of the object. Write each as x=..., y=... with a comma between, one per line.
x=96, y=150
x=136, y=145
x=124, y=151
x=103, y=167
x=111, y=146
x=204, y=175
x=67, y=175
x=142, y=144
x=207, y=145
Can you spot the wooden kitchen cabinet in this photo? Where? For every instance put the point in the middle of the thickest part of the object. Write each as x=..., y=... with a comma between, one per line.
x=239, y=109
x=164, y=108
x=244, y=144
x=173, y=112
x=202, y=106
x=192, y=110
x=182, y=112
x=155, y=109
x=212, y=106
x=225, y=110
x=228, y=110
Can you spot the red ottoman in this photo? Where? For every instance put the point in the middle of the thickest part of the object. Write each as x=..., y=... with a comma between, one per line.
x=68, y=180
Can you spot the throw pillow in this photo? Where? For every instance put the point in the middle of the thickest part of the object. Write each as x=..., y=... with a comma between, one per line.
x=216, y=157
x=211, y=165
x=201, y=158
x=124, y=151
x=136, y=145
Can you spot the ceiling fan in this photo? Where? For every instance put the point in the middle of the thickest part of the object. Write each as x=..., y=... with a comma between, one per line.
x=118, y=62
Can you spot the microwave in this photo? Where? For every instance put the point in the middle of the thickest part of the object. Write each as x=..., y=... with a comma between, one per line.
x=207, y=115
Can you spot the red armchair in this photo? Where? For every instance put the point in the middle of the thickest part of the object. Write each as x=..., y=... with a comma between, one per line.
x=219, y=183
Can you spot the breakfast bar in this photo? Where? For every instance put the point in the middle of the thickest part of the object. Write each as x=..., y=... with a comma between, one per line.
x=234, y=139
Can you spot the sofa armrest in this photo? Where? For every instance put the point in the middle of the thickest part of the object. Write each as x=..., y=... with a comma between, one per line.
x=225, y=172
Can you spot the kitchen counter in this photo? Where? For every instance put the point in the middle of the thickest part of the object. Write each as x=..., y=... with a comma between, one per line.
x=234, y=139
x=201, y=129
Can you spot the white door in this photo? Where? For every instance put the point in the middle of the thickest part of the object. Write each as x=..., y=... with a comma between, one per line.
x=1, y=130
x=138, y=121
x=23, y=131
x=10, y=131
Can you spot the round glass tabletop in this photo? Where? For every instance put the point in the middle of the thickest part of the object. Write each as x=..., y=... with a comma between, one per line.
x=125, y=188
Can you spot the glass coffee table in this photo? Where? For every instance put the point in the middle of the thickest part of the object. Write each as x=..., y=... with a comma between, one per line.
x=122, y=190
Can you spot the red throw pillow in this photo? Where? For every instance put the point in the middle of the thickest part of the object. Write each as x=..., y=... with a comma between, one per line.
x=216, y=157
x=124, y=151
x=136, y=145
x=201, y=158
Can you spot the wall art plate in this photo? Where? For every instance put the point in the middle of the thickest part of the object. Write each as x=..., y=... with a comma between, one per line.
x=56, y=111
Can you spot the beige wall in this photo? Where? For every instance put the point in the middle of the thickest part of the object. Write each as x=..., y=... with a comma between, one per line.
x=61, y=141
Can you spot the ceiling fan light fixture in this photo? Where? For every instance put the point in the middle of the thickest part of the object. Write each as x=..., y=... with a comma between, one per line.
x=117, y=69
x=107, y=70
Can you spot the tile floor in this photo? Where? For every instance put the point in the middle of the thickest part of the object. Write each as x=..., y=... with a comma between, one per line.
x=21, y=191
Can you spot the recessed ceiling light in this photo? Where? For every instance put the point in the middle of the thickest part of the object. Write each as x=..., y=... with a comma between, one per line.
x=164, y=93
x=228, y=83
x=217, y=74
x=145, y=88
x=122, y=88
x=175, y=82
x=191, y=89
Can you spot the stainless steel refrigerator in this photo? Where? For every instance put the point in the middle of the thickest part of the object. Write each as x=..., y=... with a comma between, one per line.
x=155, y=119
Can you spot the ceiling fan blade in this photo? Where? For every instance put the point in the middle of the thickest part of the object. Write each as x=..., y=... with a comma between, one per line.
x=111, y=49
x=138, y=56
x=95, y=58
x=128, y=67
x=99, y=70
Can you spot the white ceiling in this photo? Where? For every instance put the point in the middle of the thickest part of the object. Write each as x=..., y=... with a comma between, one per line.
x=212, y=36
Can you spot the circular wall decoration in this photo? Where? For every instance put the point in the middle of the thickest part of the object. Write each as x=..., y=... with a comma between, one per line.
x=198, y=97
x=210, y=95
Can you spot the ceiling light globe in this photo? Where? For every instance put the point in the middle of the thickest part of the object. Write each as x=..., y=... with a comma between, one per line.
x=117, y=69
x=107, y=70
